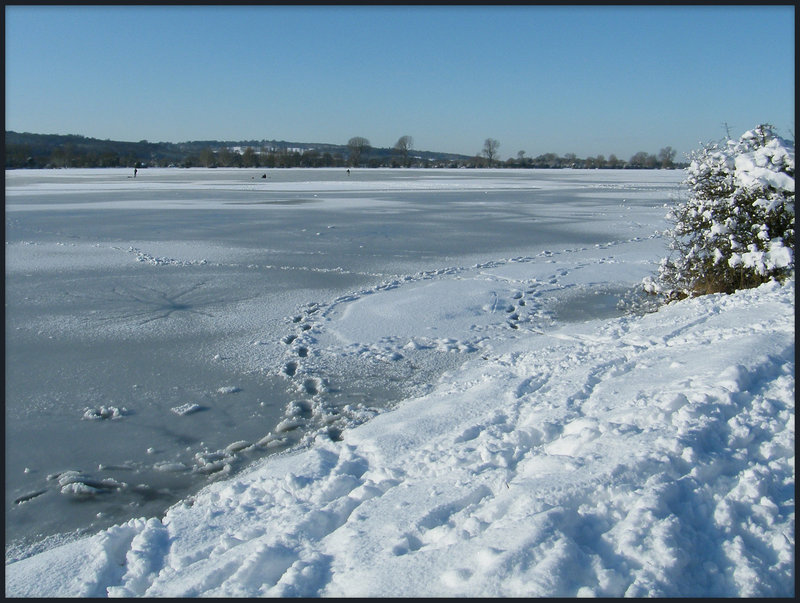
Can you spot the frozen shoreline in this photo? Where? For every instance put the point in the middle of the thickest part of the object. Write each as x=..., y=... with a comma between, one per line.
x=646, y=456
x=420, y=307
x=128, y=299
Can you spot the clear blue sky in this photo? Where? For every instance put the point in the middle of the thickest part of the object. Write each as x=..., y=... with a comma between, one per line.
x=570, y=79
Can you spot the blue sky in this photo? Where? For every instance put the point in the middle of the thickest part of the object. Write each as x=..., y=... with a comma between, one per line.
x=572, y=79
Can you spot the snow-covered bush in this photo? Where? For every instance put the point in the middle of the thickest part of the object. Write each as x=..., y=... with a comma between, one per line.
x=736, y=230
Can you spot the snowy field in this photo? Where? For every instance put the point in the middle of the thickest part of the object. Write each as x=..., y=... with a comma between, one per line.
x=397, y=383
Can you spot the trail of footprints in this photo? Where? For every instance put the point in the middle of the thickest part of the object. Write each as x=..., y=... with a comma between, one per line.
x=523, y=309
x=313, y=413
x=499, y=443
x=318, y=415
x=520, y=307
x=312, y=410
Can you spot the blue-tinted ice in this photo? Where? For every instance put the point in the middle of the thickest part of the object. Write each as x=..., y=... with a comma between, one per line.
x=164, y=331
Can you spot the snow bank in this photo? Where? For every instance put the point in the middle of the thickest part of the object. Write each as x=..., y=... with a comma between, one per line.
x=638, y=456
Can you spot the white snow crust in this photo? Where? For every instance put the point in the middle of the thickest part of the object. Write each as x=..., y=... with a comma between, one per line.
x=637, y=456
x=632, y=455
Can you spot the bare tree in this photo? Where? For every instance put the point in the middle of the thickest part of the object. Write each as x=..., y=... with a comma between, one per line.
x=403, y=145
x=727, y=130
x=357, y=146
x=666, y=157
x=490, y=147
x=638, y=160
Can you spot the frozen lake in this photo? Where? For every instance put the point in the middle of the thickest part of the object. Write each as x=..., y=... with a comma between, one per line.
x=165, y=330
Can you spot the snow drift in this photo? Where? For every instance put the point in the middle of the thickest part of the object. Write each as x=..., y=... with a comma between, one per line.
x=636, y=456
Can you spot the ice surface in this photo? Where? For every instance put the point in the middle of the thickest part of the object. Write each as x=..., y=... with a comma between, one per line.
x=211, y=308
x=476, y=416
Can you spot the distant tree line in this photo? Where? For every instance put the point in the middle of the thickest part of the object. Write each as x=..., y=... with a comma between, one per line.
x=25, y=150
x=641, y=160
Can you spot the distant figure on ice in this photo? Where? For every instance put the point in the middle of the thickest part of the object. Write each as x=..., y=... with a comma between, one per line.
x=348, y=171
x=263, y=175
x=134, y=172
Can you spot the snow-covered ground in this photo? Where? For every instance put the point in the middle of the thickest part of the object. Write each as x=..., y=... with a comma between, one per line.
x=565, y=447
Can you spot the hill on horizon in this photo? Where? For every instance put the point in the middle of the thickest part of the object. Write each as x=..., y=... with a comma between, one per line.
x=38, y=150
x=27, y=150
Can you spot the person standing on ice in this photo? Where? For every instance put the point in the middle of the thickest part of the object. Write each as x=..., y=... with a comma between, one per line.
x=134, y=172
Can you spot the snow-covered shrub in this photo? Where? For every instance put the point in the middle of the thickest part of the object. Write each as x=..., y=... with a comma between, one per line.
x=736, y=230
